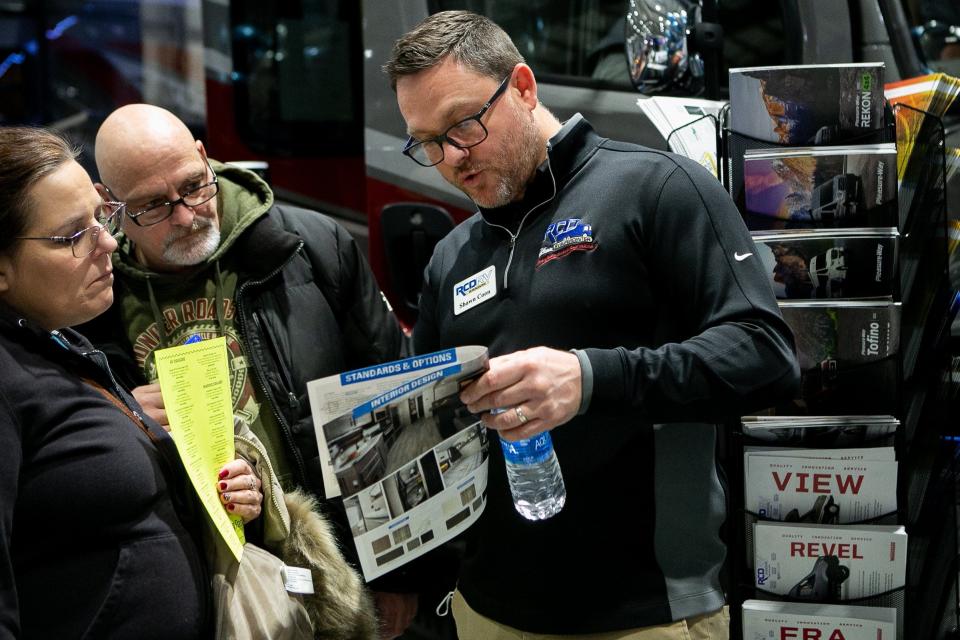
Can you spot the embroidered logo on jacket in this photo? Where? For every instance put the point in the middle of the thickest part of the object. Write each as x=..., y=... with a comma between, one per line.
x=563, y=238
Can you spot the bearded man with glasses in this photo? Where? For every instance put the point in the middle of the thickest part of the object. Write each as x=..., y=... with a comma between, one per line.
x=616, y=291
x=207, y=252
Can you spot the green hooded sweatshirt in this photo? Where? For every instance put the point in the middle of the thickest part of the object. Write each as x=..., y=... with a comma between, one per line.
x=166, y=309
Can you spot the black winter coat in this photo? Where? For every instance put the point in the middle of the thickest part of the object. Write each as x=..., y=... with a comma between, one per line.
x=94, y=512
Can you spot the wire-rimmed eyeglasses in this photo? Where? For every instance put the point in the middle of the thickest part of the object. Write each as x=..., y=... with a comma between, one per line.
x=467, y=133
x=192, y=196
x=83, y=242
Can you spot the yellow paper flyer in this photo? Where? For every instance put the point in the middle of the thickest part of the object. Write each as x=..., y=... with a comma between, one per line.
x=195, y=383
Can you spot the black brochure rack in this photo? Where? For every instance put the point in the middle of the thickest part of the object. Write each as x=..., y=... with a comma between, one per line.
x=928, y=464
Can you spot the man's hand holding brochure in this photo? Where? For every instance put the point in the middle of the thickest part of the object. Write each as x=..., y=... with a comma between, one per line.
x=407, y=456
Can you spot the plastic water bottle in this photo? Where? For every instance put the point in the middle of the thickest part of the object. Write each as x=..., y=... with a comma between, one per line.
x=534, y=474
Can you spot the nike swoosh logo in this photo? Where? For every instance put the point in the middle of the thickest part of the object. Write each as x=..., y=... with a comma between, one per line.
x=740, y=257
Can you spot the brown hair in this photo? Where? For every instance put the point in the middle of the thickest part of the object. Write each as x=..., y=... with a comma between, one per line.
x=27, y=154
x=473, y=40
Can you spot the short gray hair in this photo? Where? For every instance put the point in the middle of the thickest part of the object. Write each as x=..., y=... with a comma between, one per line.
x=474, y=41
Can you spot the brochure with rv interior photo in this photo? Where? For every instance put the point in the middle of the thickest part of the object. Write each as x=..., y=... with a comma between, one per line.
x=408, y=458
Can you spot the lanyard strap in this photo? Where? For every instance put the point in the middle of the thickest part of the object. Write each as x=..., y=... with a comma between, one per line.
x=123, y=407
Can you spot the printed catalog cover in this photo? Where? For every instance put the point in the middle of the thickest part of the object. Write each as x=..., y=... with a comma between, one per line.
x=822, y=486
x=847, y=352
x=823, y=186
x=764, y=620
x=807, y=104
x=822, y=563
x=852, y=263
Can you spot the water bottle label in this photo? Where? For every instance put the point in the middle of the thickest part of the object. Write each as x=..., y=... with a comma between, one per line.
x=532, y=451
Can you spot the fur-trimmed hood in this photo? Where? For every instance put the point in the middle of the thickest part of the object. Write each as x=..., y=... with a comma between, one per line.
x=294, y=531
x=340, y=607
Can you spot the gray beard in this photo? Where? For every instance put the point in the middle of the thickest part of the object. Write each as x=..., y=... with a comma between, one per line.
x=199, y=247
x=518, y=161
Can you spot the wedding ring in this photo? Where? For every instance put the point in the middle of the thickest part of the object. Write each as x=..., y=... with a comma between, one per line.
x=522, y=418
x=253, y=483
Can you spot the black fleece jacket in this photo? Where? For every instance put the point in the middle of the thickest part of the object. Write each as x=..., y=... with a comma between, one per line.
x=639, y=258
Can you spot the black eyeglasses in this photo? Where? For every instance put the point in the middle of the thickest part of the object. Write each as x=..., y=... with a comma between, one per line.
x=467, y=133
x=193, y=196
x=83, y=242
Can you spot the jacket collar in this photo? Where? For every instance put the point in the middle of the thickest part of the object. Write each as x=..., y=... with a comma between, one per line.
x=265, y=246
x=571, y=147
x=58, y=345
x=567, y=151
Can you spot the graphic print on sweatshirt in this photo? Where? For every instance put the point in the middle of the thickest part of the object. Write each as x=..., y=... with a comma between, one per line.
x=198, y=317
x=564, y=237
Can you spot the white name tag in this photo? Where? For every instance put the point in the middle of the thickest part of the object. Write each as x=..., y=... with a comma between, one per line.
x=476, y=289
x=297, y=580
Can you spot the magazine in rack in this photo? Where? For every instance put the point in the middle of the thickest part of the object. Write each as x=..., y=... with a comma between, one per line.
x=765, y=620
x=930, y=94
x=847, y=353
x=814, y=187
x=823, y=486
x=688, y=125
x=401, y=449
x=822, y=563
x=807, y=104
x=821, y=263
x=820, y=431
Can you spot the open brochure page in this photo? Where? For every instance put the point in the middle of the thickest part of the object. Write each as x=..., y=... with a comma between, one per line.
x=688, y=125
x=828, y=564
x=826, y=486
x=404, y=452
x=780, y=620
x=335, y=395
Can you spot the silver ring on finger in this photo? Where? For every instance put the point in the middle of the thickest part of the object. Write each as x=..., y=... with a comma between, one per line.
x=253, y=483
x=522, y=418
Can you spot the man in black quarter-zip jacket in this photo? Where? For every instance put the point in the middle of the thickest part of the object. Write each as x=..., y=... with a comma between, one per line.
x=206, y=252
x=618, y=291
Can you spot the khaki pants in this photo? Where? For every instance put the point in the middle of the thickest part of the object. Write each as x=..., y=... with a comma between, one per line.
x=473, y=626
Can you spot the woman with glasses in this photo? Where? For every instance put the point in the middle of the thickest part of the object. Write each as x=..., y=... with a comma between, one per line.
x=97, y=531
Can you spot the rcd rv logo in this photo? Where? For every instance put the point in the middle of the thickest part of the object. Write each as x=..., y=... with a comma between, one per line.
x=574, y=228
x=470, y=292
x=563, y=237
x=478, y=280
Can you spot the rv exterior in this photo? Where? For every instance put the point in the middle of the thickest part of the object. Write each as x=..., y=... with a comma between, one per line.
x=836, y=199
x=828, y=272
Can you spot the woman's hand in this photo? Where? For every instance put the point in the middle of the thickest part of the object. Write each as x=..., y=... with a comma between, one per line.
x=240, y=490
x=151, y=400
